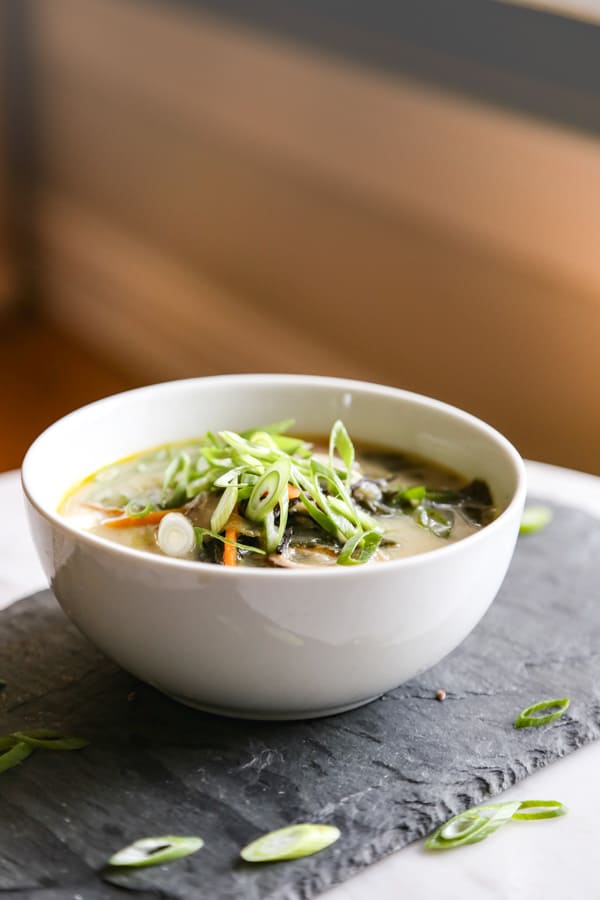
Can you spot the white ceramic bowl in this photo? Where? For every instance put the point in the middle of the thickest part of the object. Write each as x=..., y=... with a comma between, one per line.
x=270, y=643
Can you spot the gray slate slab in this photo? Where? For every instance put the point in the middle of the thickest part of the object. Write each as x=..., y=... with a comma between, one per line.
x=385, y=774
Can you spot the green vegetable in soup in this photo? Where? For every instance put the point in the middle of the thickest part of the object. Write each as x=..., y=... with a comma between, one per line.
x=263, y=497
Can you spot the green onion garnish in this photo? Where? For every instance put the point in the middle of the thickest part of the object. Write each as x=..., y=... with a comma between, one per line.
x=45, y=739
x=153, y=851
x=175, y=535
x=292, y=842
x=339, y=440
x=224, y=507
x=268, y=490
x=257, y=468
x=17, y=752
x=138, y=510
x=471, y=826
x=540, y=809
x=535, y=518
x=526, y=718
x=359, y=548
x=274, y=428
x=478, y=823
x=201, y=533
x=412, y=494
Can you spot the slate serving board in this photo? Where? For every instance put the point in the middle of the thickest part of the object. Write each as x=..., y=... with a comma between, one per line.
x=385, y=774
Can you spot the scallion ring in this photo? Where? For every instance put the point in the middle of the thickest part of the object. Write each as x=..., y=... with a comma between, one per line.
x=471, y=826
x=224, y=508
x=365, y=542
x=540, y=809
x=154, y=851
x=15, y=755
x=291, y=842
x=175, y=535
x=45, y=739
x=268, y=490
x=339, y=440
x=138, y=510
x=528, y=719
x=535, y=518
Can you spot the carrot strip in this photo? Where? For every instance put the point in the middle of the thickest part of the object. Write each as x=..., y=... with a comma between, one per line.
x=293, y=492
x=229, y=551
x=130, y=521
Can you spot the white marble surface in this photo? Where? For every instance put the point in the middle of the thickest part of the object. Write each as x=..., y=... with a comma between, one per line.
x=554, y=859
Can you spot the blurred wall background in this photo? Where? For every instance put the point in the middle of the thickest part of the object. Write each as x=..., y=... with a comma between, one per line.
x=404, y=195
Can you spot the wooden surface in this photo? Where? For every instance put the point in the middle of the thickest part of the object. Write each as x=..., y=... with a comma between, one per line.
x=44, y=374
x=247, y=204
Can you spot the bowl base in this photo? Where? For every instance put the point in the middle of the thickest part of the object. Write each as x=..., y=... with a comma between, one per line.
x=270, y=715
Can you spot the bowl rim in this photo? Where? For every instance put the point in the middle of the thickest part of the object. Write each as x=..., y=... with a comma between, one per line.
x=107, y=547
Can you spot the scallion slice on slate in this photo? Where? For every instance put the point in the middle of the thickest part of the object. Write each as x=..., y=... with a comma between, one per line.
x=154, y=851
x=14, y=755
x=471, y=826
x=291, y=842
x=535, y=518
x=45, y=739
x=528, y=718
x=478, y=823
x=540, y=809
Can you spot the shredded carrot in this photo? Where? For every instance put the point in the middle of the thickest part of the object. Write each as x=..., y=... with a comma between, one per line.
x=130, y=521
x=229, y=551
x=293, y=492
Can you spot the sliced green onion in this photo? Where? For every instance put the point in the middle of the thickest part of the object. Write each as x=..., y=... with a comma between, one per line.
x=412, y=494
x=292, y=842
x=334, y=480
x=534, y=519
x=264, y=439
x=228, y=477
x=471, y=826
x=242, y=445
x=274, y=428
x=321, y=518
x=274, y=534
x=137, y=510
x=15, y=755
x=45, y=739
x=154, y=851
x=290, y=445
x=540, y=809
x=177, y=476
x=201, y=533
x=175, y=535
x=526, y=718
x=224, y=508
x=339, y=440
x=268, y=490
x=366, y=543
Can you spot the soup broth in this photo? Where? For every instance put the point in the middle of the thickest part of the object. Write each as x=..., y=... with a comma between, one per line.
x=266, y=498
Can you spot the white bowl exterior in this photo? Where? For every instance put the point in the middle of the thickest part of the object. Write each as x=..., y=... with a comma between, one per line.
x=263, y=642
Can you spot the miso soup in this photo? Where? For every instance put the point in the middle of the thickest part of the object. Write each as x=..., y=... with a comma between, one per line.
x=272, y=499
